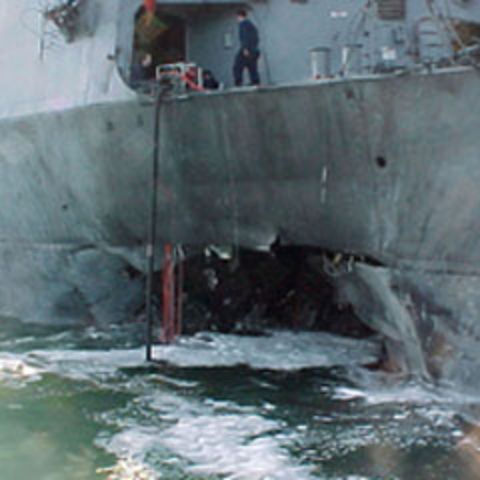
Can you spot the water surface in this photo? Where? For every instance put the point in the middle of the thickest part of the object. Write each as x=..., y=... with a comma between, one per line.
x=83, y=405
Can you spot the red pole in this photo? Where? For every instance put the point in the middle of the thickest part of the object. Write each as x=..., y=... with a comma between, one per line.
x=172, y=291
x=179, y=302
x=168, y=279
x=150, y=5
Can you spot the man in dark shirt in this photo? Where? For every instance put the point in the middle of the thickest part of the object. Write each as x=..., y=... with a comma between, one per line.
x=209, y=81
x=247, y=57
x=142, y=70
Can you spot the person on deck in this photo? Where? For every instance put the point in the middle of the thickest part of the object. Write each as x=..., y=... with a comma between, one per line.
x=209, y=81
x=143, y=70
x=247, y=57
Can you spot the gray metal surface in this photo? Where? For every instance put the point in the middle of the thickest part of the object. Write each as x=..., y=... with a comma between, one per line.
x=430, y=321
x=385, y=167
x=382, y=167
x=290, y=30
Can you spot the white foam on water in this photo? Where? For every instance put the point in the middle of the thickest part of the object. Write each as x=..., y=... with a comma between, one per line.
x=233, y=446
x=131, y=447
x=281, y=350
x=240, y=447
x=357, y=477
x=16, y=371
x=418, y=395
x=204, y=437
x=208, y=438
x=87, y=364
x=347, y=393
x=128, y=469
x=218, y=437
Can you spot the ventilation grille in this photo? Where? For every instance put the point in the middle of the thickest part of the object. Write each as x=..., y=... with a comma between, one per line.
x=391, y=9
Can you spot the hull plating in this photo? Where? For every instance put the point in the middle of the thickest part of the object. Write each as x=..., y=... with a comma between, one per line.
x=385, y=168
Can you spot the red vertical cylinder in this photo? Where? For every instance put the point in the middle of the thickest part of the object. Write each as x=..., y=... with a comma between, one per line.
x=150, y=5
x=169, y=303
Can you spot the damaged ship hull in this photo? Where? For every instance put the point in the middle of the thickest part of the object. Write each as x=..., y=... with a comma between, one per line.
x=381, y=168
x=384, y=170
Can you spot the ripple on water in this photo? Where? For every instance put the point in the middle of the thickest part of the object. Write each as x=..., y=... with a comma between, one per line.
x=277, y=417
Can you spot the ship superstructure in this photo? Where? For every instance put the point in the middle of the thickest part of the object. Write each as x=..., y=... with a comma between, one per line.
x=301, y=39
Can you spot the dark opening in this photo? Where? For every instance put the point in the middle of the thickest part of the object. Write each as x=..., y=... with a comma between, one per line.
x=467, y=35
x=257, y=291
x=381, y=162
x=162, y=36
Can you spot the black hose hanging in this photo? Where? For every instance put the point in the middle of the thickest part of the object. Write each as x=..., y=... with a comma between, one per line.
x=152, y=234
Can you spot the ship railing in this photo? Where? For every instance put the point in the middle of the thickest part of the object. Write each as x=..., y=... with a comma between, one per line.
x=182, y=76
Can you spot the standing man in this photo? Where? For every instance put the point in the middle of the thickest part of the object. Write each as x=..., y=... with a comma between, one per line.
x=247, y=57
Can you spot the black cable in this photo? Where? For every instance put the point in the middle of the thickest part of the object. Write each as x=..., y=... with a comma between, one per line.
x=152, y=234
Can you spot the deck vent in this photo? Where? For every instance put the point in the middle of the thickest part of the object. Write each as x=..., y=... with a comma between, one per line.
x=392, y=9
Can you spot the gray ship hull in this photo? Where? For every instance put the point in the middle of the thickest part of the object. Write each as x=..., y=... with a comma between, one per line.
x=381, y=168
x=74, y=188
x=386, y=168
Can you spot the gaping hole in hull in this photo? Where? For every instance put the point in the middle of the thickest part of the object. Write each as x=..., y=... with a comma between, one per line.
x=288, y=288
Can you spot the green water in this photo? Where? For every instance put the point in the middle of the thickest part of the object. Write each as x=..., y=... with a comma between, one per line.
x=83, y=405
